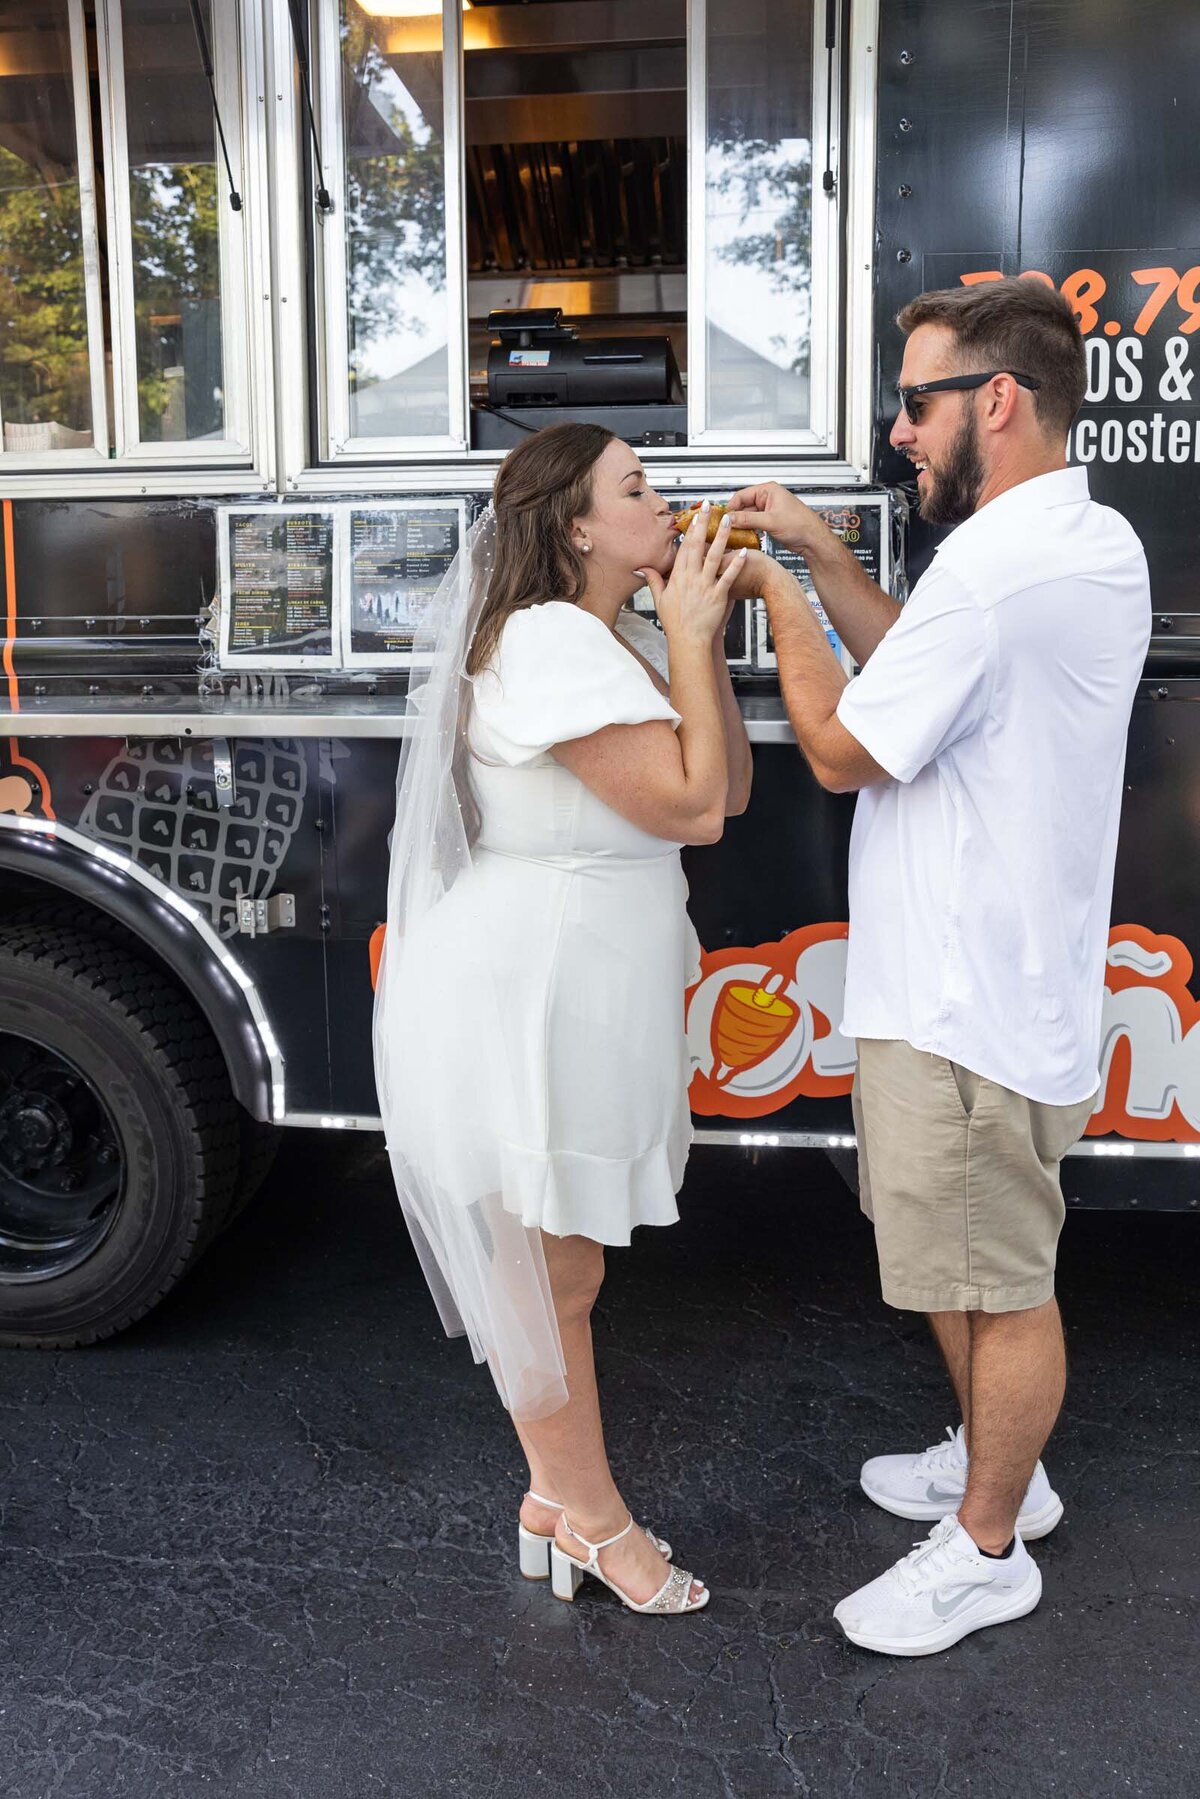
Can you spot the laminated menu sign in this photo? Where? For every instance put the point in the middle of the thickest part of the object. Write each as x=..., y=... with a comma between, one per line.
x=398, y=556
x=860, y=523
x=278, y=589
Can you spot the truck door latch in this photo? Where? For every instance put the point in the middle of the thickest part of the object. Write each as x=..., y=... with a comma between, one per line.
x=222, y=761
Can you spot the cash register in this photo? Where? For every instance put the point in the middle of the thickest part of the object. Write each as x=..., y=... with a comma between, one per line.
x=540, y=373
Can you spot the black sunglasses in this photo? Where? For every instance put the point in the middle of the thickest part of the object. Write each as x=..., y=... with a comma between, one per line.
x=910, y=396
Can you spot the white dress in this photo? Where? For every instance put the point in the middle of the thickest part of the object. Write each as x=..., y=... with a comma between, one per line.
x=550, y=1066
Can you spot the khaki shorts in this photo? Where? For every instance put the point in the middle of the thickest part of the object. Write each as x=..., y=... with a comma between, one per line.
x=960, y=1178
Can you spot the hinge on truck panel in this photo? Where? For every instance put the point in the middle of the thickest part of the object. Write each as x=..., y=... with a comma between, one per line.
x=222, y=760
x=256, y=917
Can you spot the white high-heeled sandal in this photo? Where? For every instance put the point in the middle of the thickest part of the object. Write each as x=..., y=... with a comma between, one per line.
x=566, y=1577
x=533, y=1549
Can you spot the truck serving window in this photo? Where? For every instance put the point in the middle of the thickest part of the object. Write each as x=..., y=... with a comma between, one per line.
x=766, y=249
x=52, y=392
x=609, y=209
x=122, y=235
x=392, y=242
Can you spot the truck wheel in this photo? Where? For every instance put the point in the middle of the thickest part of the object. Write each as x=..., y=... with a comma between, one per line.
x=118, y=1137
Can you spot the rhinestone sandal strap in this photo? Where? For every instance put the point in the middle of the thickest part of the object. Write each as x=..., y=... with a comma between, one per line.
x=672, y=1596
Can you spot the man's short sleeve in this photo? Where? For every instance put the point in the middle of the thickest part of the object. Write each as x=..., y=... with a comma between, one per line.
x=928, y=681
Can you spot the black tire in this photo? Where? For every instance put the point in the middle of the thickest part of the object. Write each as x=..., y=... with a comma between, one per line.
x=259, y=1143
x=155, y=1095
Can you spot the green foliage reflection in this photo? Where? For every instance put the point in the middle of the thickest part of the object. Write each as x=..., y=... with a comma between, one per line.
x=43, y=317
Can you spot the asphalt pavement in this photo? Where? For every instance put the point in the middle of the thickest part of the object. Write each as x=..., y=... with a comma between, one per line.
x=263, y=1544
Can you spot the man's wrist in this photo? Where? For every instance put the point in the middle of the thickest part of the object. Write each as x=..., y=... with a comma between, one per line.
x=827, y=552
x=780, y=587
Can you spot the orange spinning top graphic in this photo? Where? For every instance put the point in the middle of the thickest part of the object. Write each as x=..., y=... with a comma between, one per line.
x=748, y=1023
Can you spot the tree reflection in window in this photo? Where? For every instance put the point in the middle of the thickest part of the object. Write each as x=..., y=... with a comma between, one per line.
x=177, y=300
x=758, y=217
x=773, y=182
x=174, y=198
x=395, y=223
x=45, y=395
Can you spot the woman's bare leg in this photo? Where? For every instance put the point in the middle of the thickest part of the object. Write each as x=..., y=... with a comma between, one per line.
x=566, y=1453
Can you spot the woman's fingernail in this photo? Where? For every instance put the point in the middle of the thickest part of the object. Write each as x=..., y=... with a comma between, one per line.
x=706, y=505
x=641, y=572
x=742, y=554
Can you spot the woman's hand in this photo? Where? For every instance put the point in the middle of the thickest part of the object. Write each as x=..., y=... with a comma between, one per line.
x=692, y=603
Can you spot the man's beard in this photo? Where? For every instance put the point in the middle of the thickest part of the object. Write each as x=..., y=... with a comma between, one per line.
x=952, y=491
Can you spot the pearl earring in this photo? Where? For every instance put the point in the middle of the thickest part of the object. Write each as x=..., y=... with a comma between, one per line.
x=586, y=548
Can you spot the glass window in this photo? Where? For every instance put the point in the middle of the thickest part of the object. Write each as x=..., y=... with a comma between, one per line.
x=576, y=201
x=175, y=201
x=48, y=257
x=636, y=191
x=758, y=217
x=122, y=256
x=399, y=313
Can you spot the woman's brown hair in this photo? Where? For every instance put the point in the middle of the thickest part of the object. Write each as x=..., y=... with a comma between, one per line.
x=542, y=487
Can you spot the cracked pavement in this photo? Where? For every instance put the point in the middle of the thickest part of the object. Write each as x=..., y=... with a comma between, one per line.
x=263, y=1544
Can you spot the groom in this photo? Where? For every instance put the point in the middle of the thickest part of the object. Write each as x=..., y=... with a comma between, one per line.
x=986, y=736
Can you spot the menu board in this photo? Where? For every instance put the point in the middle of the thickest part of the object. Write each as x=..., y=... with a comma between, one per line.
x=860, y=522
x=350, y=584
x=738, y=632
x=399, y=554
x=738, y=635
x=277, y=588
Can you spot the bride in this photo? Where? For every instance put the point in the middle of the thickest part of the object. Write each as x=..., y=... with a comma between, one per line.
x=529, y=1042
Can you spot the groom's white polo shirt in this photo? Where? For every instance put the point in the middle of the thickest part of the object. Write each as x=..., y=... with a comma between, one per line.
x=981, y=873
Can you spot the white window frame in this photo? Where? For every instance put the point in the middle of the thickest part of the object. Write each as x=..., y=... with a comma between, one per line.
x=243, y=461
x=235, y=446
x=840, y=385
x=95, y=455
x=822, y=432
x=338, y=444
x=861, y=134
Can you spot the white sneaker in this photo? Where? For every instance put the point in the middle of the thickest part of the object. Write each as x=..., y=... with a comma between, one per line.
x=932, y=1485
x=939, y=1594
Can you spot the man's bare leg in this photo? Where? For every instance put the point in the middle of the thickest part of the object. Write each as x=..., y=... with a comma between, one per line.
x=1018, y=1378
x=953, y=1333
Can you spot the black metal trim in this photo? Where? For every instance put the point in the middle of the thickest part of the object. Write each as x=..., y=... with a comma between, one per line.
x=829, y=179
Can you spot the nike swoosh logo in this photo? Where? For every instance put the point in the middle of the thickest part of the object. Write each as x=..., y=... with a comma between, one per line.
x=949, y=1608
x=938, y=1494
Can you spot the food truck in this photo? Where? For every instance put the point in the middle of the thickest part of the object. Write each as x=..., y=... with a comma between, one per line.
x=280, y=283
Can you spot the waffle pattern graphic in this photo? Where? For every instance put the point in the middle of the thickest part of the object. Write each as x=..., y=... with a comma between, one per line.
x=157, y=801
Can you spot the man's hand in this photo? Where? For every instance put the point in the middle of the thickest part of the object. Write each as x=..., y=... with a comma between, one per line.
x=772, y=508
x=754, y=571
